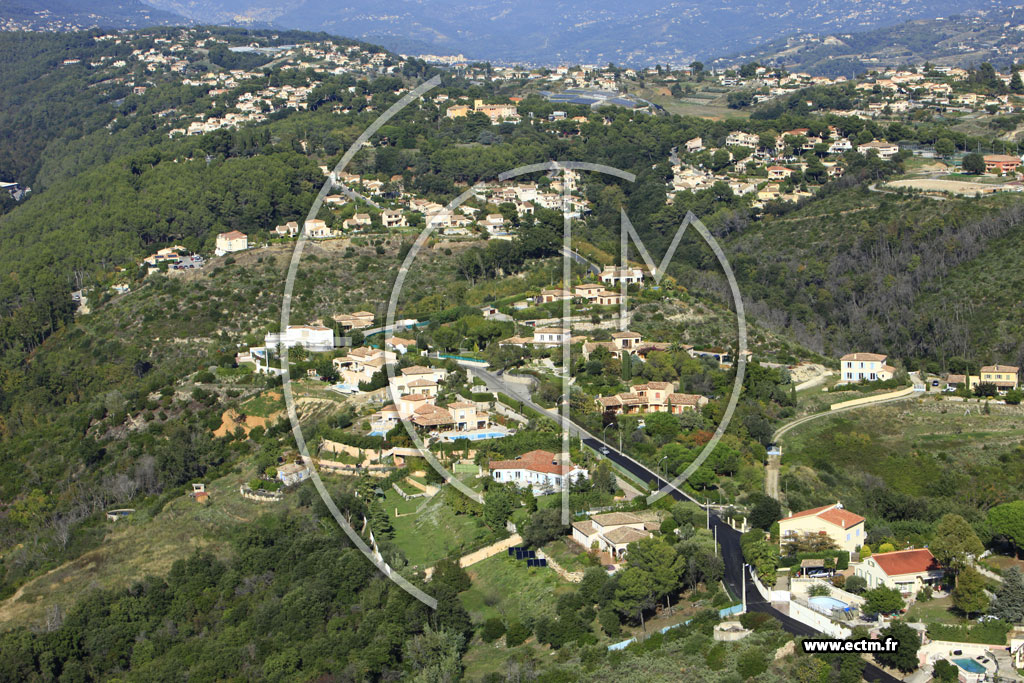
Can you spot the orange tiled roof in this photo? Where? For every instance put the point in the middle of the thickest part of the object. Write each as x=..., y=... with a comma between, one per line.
x=830, y=513
x=906, y=561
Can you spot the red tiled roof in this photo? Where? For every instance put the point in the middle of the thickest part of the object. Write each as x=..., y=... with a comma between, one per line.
x=830, y=513
x=1013, y=369
x=865, y=356
x=417, y=370
x=535, y=461
x=906, y=562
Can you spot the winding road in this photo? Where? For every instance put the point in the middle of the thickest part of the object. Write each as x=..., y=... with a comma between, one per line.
x=781, y=431
x=728, y=538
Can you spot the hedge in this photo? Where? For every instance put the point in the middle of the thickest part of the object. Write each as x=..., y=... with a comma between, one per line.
x=842, y=558
x=478, y=396
x=521, y=407
x=355, y=440
x=988, y=633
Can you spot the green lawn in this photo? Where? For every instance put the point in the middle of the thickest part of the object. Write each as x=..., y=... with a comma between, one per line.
x=505, y=587
x=1003, y=562
x=924, y=448
x=436, y=532
x=935, y=611
x=264, y=405
x=569, y=555
x=393, y=501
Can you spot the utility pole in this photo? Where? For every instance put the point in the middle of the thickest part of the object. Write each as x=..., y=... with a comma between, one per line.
x=716, y=541
x=744, y=583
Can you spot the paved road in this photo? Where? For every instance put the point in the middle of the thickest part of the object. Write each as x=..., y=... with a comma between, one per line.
x=353, y=195
x=581, y=260
x=728, y=538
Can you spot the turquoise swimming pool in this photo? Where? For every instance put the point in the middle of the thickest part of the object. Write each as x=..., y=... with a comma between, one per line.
x=478, y=436
x=826, y=604
x=969, y=665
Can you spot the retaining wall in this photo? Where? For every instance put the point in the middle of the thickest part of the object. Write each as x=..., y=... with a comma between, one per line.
x=817, y=621
x=800, y=588
x=872, y=399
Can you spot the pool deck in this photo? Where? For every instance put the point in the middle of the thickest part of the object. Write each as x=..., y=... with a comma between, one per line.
x=998, y=659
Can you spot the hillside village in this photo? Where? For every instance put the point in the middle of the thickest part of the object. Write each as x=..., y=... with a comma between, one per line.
x=533, y=432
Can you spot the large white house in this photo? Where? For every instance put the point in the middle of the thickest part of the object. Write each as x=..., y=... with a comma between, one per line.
x=315, y=338
x=908, y=571
x=540, y=470
x=416, y=379
x=228, y=242
x=612, y=275
x=866, y=367
x=543, y=337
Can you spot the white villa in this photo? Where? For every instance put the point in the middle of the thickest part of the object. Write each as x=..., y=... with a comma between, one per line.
x=315, y=338
x=540, y=470
x=612, y=275
x=867, y=367
x=544, y=337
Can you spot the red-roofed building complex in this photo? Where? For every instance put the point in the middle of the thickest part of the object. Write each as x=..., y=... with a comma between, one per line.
x=844, y=527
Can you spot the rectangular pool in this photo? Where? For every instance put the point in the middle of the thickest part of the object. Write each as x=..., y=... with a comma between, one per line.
x=969, y=665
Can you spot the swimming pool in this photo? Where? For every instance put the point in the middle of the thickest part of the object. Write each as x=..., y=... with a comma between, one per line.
x=476, y=436
x=969, y=665
x=825, y=604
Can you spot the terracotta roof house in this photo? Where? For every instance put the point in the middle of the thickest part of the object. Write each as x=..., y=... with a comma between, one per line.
x=1004, y=377
x=908, y=571
x=652, y=397
x=541, y=470
x=845, y=528
x=612, y=532
x=228, y=242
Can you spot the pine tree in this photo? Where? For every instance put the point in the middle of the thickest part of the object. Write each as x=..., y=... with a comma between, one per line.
x=1016, y=85
x=969, y=595
x=1009, y=603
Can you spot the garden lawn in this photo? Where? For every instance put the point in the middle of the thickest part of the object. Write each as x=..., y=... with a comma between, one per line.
x=436, y=532
x=934, y=611
x=505, y=587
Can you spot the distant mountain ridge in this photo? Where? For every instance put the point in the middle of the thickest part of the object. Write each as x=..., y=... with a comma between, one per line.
x=969, y=38
x=54, y=15
x=829, y=37
x=644, y=32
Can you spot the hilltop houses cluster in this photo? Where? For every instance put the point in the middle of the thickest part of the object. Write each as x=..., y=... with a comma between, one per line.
x=393, y=207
